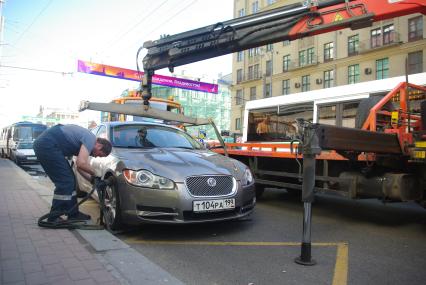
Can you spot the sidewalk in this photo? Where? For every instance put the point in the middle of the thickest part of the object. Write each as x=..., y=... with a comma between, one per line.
x=32, y=255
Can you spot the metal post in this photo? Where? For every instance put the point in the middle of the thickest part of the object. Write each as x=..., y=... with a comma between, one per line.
x=310, y=150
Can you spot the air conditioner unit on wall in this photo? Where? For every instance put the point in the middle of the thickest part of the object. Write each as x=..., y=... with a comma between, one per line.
x=367, y=70
x=318, y=81
x=297, y=85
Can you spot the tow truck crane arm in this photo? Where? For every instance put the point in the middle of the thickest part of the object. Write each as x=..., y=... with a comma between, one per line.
x=289, y=22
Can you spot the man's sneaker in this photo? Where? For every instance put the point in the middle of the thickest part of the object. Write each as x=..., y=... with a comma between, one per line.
x=79, y=217
x=55, y=219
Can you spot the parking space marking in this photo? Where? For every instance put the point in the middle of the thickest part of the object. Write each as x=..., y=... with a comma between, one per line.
x=340, y=275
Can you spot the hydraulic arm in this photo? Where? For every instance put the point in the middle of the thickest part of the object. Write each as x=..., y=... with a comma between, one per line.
x=284, y=23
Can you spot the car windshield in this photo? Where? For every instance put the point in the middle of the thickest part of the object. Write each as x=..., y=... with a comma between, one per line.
x=141, y=136
x=27, y=145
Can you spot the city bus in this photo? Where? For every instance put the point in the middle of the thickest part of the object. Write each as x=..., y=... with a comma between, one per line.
x=154, y=102
x=11, y=135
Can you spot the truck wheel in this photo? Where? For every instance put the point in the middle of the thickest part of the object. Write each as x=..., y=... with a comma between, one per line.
x=260, y=188
x=365, y=106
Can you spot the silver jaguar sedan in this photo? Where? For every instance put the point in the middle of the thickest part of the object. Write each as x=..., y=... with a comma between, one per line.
x=160, y=174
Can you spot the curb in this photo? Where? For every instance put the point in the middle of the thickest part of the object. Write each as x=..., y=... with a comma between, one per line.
x=125, y=263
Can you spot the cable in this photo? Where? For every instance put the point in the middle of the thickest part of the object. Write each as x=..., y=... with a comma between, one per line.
x=35, y=69
x=117, y=40
x=32, y=23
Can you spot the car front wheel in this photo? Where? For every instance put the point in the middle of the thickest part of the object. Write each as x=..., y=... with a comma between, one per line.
x=111, y=211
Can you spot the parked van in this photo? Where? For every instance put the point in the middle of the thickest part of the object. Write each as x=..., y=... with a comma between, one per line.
x=21, y=131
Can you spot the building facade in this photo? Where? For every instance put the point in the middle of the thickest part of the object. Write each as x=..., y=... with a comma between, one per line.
x=331, y=59
x=202, y=104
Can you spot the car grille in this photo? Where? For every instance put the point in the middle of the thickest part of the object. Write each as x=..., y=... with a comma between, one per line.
x=199, y=186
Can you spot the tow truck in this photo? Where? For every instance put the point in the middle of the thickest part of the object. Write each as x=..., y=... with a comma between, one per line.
x=385, y=160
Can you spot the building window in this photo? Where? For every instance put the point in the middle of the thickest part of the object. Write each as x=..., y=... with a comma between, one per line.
x=240, y=56
x=241, y=12
x=269, y=47
x=376, y=38
x=286, y=87
x=286, y=43
x=353, y=74
x=388, y=34
x=328, y=78
x=251, y=52
x=328, y=51
x=415, y=28
x=250, y=73
x=238, y=123
x=306, y=83
x=286, y=63
x=239, y=75
x=310, y=55
x=239, y=97
x=302, y=57
x=256, y=71
x=270, y=2
x=353, y=45
x=255, y=7
x=253, y=93
x=415, y=62
x=382, y=68
x=268, y=90
x=268, y=68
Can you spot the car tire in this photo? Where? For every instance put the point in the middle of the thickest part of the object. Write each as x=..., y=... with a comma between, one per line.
x=112, y=214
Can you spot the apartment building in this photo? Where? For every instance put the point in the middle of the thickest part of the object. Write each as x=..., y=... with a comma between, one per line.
x=332, y=59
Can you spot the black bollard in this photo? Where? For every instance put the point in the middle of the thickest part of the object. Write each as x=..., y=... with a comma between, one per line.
x=310, y=150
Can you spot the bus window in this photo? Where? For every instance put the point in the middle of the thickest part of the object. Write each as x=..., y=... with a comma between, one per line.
x=277, y=125
x=339, y=114
x=327, y=115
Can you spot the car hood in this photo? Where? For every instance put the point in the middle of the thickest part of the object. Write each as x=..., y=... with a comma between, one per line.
x=176, y=164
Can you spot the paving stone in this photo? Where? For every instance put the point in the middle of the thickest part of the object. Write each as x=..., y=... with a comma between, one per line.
x=78, y=273
x=102, y=275
x=70, y=262
x=9, y=276
x=86, y=282
x=49, y=259
x=30, y=256
x=36, y=278
x=11, y=264
x=54, y=270
x=60, y=279
x=92, y=264
x=31, y=266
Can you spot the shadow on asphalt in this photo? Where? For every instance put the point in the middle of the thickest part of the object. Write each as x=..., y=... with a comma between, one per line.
x=199, y=232
x=372, y=211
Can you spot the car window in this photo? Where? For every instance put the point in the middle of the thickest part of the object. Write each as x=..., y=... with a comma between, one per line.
x=141, y=136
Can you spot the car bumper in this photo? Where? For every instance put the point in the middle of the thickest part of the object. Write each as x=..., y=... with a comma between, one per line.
x=139, y=205
x=26, y=159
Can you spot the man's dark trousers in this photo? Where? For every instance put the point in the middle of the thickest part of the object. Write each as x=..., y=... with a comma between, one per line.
x=49, y=149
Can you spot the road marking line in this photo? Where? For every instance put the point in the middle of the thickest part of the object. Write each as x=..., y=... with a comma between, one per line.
x=340, y=276
x=341, y=268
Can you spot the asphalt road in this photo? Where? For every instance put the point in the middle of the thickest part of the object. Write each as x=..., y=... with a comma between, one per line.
x=353, y=242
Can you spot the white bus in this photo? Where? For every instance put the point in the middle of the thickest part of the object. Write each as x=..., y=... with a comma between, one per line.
x=336, y=106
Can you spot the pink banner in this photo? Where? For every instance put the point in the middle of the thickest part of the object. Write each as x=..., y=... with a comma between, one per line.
x=128, y=74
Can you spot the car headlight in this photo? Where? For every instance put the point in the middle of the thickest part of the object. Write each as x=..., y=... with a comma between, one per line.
x=247, y=178
x=144, y=178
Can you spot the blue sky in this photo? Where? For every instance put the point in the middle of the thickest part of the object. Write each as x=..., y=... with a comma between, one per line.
x=53, y=34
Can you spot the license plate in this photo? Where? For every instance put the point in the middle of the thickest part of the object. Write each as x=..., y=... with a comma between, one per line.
x=31, y=158
x=213, y=205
